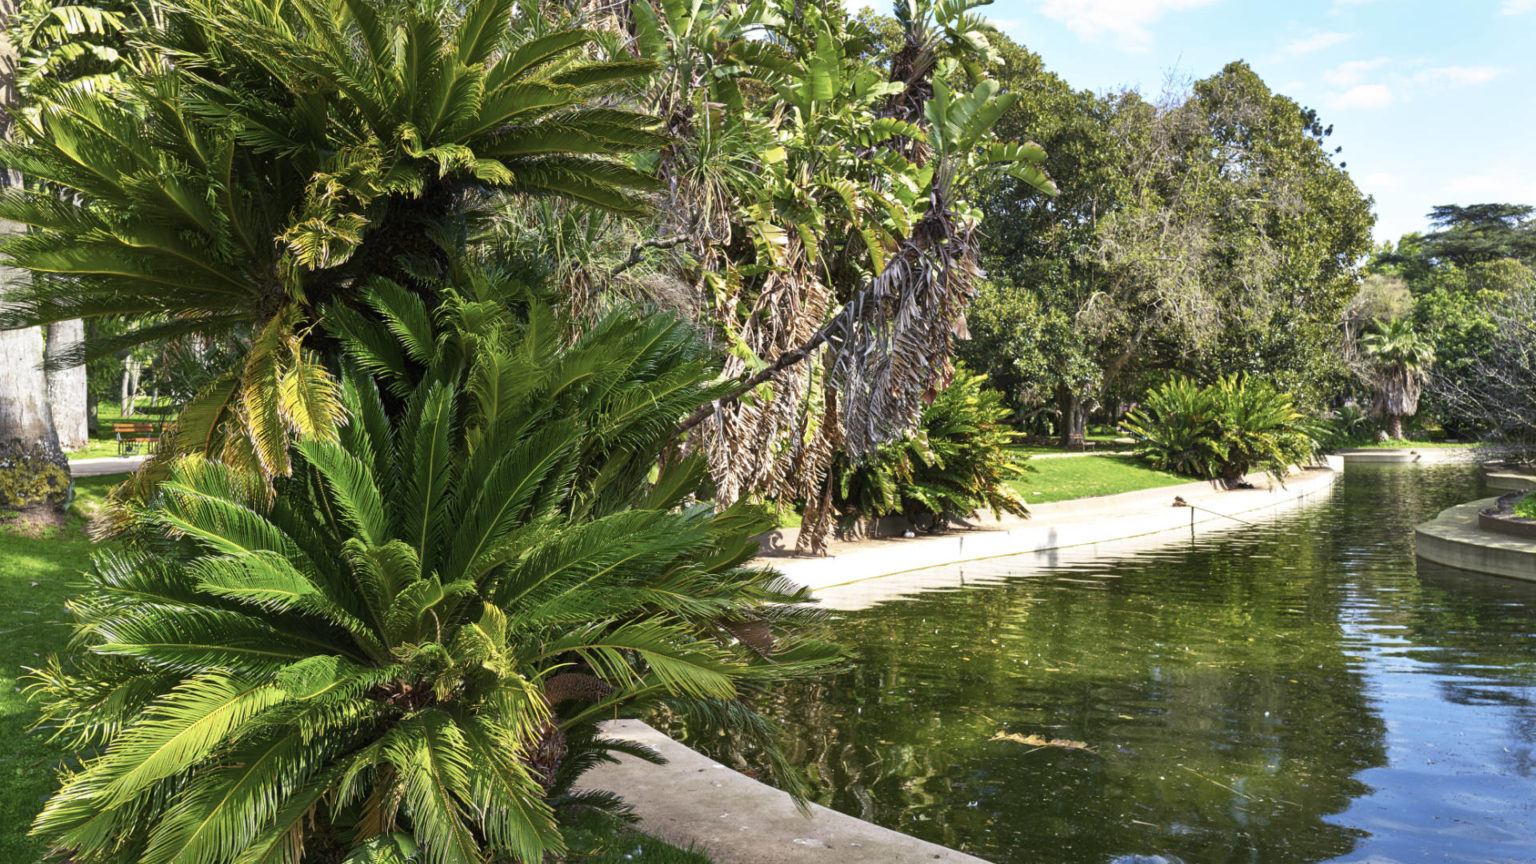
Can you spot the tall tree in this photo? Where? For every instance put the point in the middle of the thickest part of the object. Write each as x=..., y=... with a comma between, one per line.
x=1480, y=233
x=1400, y=359
x=34, y=473
x=1209, y=233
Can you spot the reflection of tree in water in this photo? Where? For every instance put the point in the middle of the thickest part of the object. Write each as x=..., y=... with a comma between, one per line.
x=1218, y=684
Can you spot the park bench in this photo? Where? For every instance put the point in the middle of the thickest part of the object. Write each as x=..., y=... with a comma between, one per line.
x=132, y=436
x=1078, y=442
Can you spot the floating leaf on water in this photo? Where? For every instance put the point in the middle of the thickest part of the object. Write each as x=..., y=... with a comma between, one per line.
x=1039, y=741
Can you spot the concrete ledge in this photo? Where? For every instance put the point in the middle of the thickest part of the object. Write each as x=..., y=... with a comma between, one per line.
x=1060, y=525
x=1454, y=539
x=1381, y=456
x=1426, y=455
x=1504, y=479
x=694, y=800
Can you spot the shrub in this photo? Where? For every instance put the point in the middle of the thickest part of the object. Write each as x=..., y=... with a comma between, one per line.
x=957, y=463
x=408, y=642
x=1222, y=430
x=1525, y=508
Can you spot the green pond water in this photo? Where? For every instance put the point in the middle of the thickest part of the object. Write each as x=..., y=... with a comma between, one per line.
x=1304, y=690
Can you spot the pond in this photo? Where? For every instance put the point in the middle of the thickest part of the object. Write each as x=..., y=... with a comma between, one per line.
x=1301, y=690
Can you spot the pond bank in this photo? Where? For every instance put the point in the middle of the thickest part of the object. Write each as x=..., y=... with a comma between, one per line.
x=695, y=801
x=1082, y=522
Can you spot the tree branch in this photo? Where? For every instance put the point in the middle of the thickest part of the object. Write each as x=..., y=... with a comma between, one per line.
x=784, y=361
x=637, y=253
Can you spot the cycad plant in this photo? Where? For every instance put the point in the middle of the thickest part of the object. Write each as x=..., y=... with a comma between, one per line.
x=400, y=652
x=262, y=158
x=1400, y=359
x=959, y=462
x=1223, y=430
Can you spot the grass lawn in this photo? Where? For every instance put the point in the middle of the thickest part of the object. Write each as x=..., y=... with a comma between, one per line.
x=37, y=575
x=1087, y=476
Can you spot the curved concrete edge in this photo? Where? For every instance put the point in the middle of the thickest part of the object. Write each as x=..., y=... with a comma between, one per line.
x=1500, y=478
x=1454, y=539
x=1504, y=482
x=1383, y=457
x=1067, y=524
x=695, y=801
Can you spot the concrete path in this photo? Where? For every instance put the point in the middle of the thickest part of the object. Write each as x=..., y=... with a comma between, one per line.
x=694, y=800
x=105, y=465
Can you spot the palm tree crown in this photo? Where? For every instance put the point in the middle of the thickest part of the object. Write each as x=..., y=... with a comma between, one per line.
x=1400, y=361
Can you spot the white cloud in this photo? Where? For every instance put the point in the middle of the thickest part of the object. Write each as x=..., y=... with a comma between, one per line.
x=1126, y=20
x=1362, y=96
x=1352, y=73
x=1318, y=42
x=1452, y=75
x=1517, y=7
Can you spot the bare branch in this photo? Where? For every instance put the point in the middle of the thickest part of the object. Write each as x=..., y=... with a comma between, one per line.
x=637, y=253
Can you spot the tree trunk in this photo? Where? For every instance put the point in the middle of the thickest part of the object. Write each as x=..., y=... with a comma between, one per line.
x=67, y=387
x=130, y=388
x=34, y=474
x=1074, y=416
x=1395, y=427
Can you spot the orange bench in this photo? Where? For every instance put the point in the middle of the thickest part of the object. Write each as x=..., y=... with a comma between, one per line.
x=132, y=436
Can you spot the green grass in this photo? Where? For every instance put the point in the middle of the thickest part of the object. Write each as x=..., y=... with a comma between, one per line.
x=1088, y=476
x=37, y=575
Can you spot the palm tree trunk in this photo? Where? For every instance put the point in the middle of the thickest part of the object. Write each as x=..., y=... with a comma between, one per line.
x=34, y=474
x=67, y=387
x=1395, y=427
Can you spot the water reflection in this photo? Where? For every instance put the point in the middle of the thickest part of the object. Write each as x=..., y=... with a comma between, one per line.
x=1298, y=692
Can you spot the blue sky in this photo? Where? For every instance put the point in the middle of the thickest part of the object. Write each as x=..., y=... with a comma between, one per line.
x=1433, y=102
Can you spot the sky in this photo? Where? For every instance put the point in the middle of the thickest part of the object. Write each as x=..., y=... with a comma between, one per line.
x=1433, y=102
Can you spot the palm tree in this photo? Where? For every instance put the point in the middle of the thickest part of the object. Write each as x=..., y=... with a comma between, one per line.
x=1400, y=359
x=263, y=158
x=408, y=642
x=829, y=215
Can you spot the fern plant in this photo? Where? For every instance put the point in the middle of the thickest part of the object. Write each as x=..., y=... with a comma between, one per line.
x=400, y=652
x=959, y=462
x=1223, y=430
